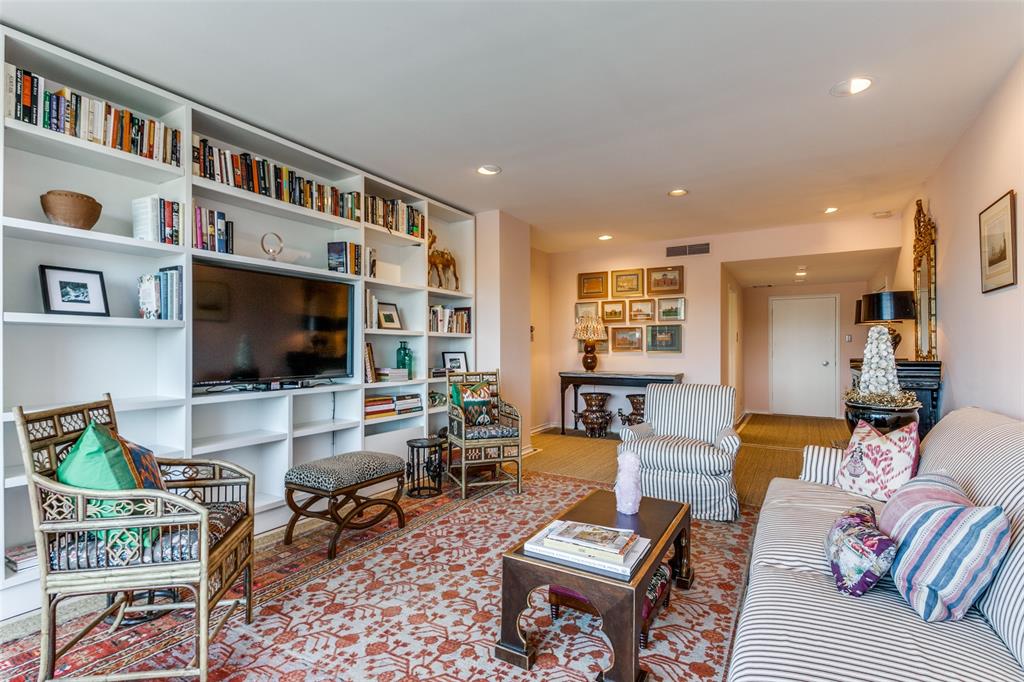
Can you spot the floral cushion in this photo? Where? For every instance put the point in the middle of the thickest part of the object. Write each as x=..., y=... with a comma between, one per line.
x=655, y=589
x=491, y=431
x=857, y=551
x=877, y=464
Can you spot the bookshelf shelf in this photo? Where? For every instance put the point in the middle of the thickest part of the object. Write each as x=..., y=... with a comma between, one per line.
x=219, y=443
x=235, y=396
x=90, y=321
x=235, y=196
x=323, y=426
x=266, y=265
x=448, y=293
x=391, y=332
x=31, y=230
x=449, y=335
x=12, y=578
x=437, y=380
x=393, y=418
x=265, y=502
x=438, y=410
x=38, y=140
x=395, y=286
x=136, y=404
x=392, y=235
x=385, y=384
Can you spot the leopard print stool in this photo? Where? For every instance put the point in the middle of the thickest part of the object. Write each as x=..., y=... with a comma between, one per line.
x=338, y=480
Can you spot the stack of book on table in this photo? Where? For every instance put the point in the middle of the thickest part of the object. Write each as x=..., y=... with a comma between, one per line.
x=21, y=557
x=599, y=549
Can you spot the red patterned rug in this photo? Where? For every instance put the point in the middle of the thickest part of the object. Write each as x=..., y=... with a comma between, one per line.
x=423, y=603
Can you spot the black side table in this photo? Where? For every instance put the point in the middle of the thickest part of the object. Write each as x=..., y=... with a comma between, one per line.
x=423, y=468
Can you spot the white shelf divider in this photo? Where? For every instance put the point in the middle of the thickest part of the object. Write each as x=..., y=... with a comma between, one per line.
x=393, y=418
x=323, y=426
x=267, y=265
x=90, y=321
x=31, y=230
x=219, y=443
x=235, y=196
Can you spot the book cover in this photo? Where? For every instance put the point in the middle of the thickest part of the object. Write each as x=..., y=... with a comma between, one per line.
x=149, y=297
x=595, y=537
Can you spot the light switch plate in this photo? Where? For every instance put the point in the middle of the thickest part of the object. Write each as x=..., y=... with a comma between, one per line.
x=849, y=338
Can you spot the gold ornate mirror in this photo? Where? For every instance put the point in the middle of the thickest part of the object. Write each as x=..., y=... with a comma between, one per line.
x=924, y=284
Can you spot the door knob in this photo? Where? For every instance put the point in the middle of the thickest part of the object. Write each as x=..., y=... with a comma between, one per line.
x=825, y=364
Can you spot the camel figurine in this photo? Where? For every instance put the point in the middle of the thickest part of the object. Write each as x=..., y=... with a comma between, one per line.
x=441, y=261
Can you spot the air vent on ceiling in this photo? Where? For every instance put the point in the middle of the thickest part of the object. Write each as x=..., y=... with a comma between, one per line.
x=762, y=286
x=688, y=250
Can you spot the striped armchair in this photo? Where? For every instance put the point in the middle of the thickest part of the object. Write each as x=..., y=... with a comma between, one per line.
x=687, y=447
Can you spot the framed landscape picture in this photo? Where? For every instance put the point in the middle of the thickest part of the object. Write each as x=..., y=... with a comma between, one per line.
x=388, y=317
x=665, y=338
x=587, y=309
x=613, y=311
x=665, y=281
x=628, y=283
x=627, y=339
x=998, y=227
x=599, y=346
x=671, y=309
x=70, y=291
x=641, y=310
x=592, y=285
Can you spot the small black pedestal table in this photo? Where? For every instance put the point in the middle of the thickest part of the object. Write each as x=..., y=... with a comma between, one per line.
x=423, y=468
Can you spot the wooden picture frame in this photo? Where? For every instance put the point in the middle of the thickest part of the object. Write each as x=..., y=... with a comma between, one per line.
x=641, y=310
x=588, y=309
x=628, y=283
x=672, y=309
x=997, y=243
x=72, y=291
x=627, y=339
x=388, y=316
x=664, y=338
x=592, y=285
x=665, y=281
x=613, y=311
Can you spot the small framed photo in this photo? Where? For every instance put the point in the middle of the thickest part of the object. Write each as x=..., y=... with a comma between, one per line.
x=592, y=285
x=70, y=291
x=998, y=235
x=599, y=346
x=665, y=338
x=613, y=311
x=628, y=283
x=641, y=310
x=627, y=339
x=587, y=309
x=671, y=309
x=455, y=361
x=388, y=317
x=665, y=281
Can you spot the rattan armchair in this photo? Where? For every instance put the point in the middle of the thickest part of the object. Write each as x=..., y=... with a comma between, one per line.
x=479, y=447
x=88, y=540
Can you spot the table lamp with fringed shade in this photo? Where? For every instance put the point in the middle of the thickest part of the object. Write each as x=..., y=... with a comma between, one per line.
x=588, y=330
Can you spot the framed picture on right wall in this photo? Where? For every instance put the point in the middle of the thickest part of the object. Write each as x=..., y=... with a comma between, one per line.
x=997, y=226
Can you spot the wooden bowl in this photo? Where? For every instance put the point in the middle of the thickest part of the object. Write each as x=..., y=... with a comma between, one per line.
x=70, y=208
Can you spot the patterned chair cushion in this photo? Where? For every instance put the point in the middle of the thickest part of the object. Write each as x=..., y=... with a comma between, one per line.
x=181, y=545
x=341, y=471
x=655, y=589
x=491, y=431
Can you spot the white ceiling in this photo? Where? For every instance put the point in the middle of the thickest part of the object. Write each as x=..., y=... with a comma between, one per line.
x=826, y=268
x=594, y=110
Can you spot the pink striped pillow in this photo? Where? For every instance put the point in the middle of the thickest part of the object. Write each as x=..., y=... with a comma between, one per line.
x=934, y=487
x=876, y=464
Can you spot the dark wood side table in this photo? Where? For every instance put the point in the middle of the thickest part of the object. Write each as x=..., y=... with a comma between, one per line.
x=581, y=378
x=923, y=377
x=665, y=523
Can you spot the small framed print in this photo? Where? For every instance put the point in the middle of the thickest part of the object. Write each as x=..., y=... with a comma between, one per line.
x=664, y=338
x=628, y=283
x=587, y=309
x=592, y=285
x=671, y=309
x=613, y=311
x=455, y=361
x=641, y=310
x=997, y=225
x=388, y=317
x=665, y=281
x=627, y=339
x=70, y=291
x=599, y=346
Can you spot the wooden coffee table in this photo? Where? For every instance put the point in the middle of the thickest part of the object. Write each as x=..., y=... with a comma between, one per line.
x=665, y=523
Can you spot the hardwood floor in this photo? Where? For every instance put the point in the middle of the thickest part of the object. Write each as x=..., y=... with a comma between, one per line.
x=772, y=447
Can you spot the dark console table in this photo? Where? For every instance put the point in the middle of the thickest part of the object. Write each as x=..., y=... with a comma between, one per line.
x=581, y=378
x=923, y=377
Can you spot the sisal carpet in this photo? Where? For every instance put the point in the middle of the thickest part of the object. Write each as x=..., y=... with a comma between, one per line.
x=423, y=603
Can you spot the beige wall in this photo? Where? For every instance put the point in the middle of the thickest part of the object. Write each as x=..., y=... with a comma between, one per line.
x=729, y=284
x=756, y=323
x=540, y=347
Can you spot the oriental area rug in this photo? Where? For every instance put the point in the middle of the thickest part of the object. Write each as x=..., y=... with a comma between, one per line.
x=423, y=603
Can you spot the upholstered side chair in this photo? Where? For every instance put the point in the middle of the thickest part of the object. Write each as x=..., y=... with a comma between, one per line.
x=198, y=537
x=687, y=447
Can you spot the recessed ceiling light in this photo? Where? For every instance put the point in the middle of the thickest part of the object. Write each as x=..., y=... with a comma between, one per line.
x=831, y=209
x=853, y=86
x=801, y=274
x=489, y=169
x=605, y=237
x=678, y=192
x=880, y=215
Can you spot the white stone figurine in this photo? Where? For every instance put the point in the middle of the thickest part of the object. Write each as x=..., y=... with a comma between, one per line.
x=627, y=483
x=878, y=373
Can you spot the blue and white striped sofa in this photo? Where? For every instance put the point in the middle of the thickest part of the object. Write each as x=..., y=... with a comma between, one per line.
x=687, y=447
x=794, y=624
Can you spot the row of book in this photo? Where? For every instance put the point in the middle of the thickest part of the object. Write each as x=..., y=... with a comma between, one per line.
x=371, y=310
x=156, y=220
x=212, y=231
x=161, y=295
x=445, y=318
x=30, y=98
x=395, y=214
x=21, y=557
x=379, y=406
x=262, y=176
x=607, y=551
x=345, y=257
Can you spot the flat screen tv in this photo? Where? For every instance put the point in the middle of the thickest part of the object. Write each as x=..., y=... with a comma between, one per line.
x=253, y=326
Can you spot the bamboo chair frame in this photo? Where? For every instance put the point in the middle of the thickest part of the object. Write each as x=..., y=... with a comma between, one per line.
x=66, y=516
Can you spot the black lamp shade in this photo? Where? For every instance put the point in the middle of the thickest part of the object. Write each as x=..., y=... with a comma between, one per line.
x=856, y=315
x=887, y=306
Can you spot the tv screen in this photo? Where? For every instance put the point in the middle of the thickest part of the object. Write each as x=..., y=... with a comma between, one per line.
x=257, y=326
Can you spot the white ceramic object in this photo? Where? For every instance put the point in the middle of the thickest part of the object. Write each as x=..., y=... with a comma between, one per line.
x=627, y=484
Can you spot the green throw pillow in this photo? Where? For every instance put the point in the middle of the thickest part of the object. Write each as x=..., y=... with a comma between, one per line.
x=475, y=400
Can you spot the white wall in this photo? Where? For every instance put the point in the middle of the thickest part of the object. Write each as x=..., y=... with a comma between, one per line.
x=540, y=346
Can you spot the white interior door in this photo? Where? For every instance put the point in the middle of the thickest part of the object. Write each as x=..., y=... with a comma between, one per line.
x=803, y=348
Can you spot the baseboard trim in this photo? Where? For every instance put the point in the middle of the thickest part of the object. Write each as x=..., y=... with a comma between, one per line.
x=543, y=427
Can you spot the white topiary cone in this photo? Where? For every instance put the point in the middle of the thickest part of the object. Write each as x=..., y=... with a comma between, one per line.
x=878, y=372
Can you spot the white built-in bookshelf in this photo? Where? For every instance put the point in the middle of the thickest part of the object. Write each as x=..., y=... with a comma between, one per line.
x=146, y=365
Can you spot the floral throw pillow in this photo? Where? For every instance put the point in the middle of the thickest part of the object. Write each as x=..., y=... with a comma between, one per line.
x=876, y=464
x=857, y=551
